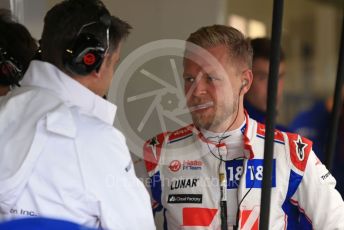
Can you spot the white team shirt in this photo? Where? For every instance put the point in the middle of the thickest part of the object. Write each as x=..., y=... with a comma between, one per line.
x=61, y=157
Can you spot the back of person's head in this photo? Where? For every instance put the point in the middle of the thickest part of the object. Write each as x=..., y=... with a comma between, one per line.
x=17, y=48
x=73, y=27
x=238, y=47
x=262, y=48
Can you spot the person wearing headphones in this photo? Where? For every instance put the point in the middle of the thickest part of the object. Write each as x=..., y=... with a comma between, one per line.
x=60, y=155
x=17, y=48
x=255, y=101
x=208, y=175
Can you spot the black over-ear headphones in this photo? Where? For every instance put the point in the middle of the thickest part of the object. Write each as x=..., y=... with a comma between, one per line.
x=11, y=72
x=86, y=53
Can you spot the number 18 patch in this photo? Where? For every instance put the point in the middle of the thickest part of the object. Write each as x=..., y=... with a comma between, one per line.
x=234, y=171
x=254, y=173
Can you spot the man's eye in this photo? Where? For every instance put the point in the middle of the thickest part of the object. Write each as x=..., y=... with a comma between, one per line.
x=189, y=79
x=211, y=78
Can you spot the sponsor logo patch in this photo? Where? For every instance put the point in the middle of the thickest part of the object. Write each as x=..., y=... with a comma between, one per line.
x=325, y=176
x=300, y=148
x=176, y=165
x=184, y=183
x=184, y=199
x=192, y=165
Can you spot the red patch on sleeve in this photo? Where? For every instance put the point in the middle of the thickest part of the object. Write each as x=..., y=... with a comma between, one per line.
x=198, y=216
x=180, y=133
x=152, y=151
x=300, y=148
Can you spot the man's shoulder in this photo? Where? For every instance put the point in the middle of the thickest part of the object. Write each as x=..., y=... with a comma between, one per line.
x=101, y=142
x=170, y=137
x=297, y=148
x=181, y=134
x=92, y=127
x=300, y=149
x=278, y=134
x=152, y=148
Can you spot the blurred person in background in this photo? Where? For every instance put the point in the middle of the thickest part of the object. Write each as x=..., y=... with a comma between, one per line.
x=314, y=124
x=17, y=48
x=255, y=101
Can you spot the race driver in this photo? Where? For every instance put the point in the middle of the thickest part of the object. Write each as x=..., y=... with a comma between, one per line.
x=208, y=175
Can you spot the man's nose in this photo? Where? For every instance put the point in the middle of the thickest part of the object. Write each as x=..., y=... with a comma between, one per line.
x=199, y=86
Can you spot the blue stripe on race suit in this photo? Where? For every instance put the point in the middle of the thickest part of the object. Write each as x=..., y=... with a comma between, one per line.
x=155, y=185
x=254, y=175
x=296, y=219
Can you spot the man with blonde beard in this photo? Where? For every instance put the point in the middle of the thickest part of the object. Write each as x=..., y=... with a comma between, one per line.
x=208, y=175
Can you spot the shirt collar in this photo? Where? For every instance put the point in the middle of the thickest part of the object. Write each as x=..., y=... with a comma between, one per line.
x=48, y=76
x=247, y=136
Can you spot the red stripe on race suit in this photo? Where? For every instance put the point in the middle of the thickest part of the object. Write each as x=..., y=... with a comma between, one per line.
x=278, y=136
x=198, y=216
x=250, y=219
x=182, y=132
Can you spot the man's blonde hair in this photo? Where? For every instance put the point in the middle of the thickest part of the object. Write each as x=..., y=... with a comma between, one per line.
x=238, y=47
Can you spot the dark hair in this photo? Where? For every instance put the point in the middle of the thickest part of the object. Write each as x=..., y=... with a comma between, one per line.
x=239, y=49
x=262, y=47
x=16, y=40
x=63, y=22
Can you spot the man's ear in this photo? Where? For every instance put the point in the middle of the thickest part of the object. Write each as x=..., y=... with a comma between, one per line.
x=96, y=74
x=247, y=78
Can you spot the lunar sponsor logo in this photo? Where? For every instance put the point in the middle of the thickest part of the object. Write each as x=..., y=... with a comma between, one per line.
x=184, y=198
x=184, y=183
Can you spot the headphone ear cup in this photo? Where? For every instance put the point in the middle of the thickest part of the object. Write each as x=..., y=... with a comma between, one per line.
x=85, y=56
x=10, y=72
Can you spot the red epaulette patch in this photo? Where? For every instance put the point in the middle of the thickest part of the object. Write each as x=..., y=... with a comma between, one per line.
x=261, y=132
x=152, y=151
x=300, y=148
x=180, y=133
